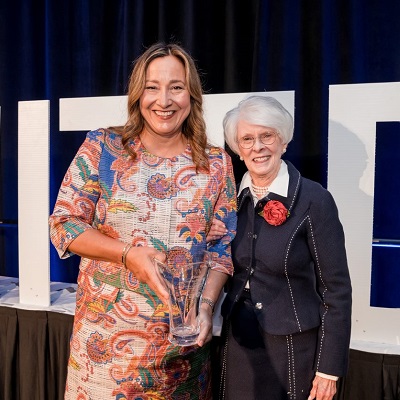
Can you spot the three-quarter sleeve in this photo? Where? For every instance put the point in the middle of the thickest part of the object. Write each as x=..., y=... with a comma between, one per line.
x=74, y=209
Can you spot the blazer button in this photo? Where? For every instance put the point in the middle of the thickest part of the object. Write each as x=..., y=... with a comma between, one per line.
x=259, y=306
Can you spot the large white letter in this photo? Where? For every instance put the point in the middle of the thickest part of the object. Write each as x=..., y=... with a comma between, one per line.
x=354, y=111
x=33, y=202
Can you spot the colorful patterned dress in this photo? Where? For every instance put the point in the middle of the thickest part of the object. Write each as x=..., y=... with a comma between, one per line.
x=119, y=346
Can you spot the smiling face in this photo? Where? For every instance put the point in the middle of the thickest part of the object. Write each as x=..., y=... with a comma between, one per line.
x=165, y=101
x=262, y=161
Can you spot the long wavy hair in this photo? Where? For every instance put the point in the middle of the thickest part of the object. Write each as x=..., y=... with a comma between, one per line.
x=193, y=128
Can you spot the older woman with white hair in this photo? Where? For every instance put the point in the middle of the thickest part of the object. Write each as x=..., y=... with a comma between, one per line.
x=288, y=305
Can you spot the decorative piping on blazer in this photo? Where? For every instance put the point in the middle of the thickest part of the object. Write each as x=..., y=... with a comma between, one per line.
x=323, y=295
x=291, y=370
x=295, y=191
x=287, y=274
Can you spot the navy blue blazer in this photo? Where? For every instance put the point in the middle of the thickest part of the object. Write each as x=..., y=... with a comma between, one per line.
x=298, y=273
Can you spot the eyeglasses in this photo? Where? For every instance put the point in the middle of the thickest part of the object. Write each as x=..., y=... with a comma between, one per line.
x=247, y=142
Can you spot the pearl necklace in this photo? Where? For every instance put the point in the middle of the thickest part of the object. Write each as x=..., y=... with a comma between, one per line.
x=259, y=191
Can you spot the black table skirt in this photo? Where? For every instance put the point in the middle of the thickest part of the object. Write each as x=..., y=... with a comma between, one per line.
x=371, y=376
x=34, y=348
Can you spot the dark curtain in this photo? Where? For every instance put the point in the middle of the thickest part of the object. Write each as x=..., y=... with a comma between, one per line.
x=50, y=49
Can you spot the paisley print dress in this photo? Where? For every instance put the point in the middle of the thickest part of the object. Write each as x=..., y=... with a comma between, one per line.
x=119, y=347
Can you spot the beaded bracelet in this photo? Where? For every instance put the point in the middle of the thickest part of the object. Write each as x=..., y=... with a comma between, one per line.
x=209, y=302
x=125, y=251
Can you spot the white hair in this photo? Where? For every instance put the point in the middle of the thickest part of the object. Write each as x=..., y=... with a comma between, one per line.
x=258, y=110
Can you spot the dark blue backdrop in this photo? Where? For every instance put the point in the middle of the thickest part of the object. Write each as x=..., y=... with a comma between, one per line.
x=51, y=49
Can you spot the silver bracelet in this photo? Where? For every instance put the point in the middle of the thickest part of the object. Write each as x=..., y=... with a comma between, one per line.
x=209, y=302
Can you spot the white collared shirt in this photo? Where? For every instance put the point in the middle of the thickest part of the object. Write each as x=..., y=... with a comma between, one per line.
x=278, y=186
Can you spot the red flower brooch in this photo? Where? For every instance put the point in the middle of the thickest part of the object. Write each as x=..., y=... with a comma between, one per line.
x=275, y=213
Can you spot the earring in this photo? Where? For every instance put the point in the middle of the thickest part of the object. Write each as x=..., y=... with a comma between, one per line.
x=241, y=158
x=283, y=151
